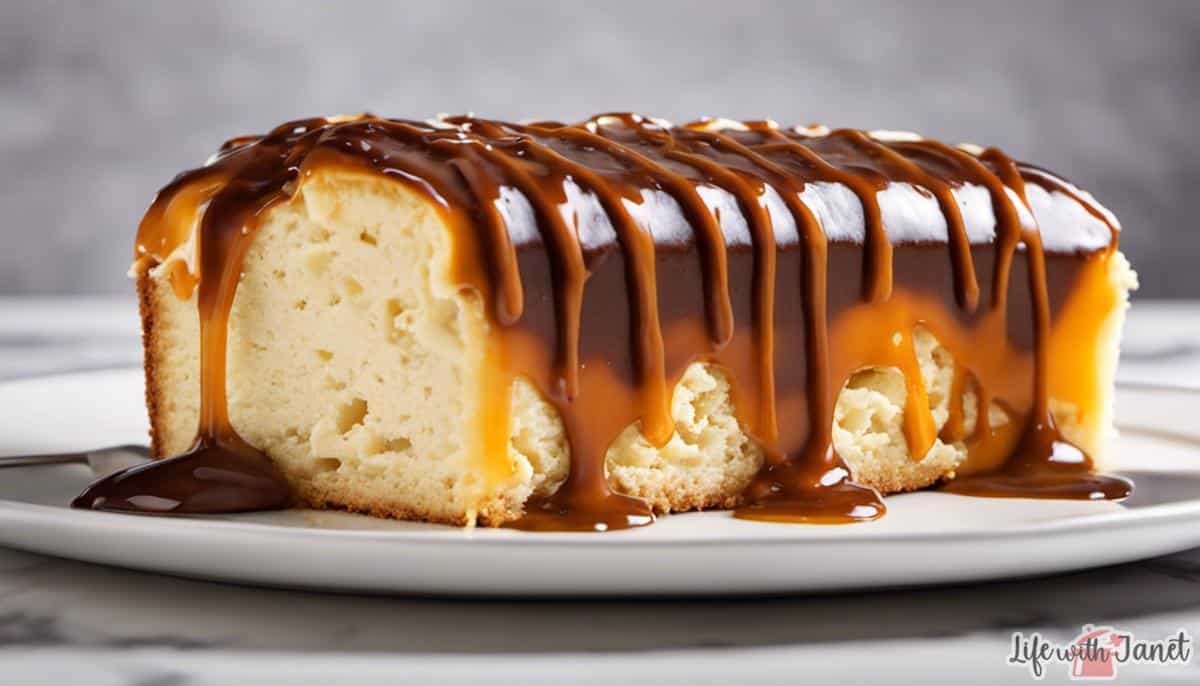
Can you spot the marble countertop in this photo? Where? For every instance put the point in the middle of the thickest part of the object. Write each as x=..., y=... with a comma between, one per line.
x=64, y=622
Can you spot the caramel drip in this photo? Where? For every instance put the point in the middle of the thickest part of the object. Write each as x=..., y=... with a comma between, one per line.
x=955, y=427
x=803, y=479
x=633, y=301
x=744, y=189
x=966, y=287
x=585, y=501
x=876, y=244
x=511, y=300
x=1008, y=221
x=918, y=424
x=170, y=220
x=866, y=184
x=1008, y=235
x=638, y=247
x=822, y=393
x=570, y=270
x=1052, y=183
x=707, y=232
x=221, y=472
x=1044, y=464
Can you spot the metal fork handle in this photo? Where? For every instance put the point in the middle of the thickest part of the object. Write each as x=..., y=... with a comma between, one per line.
x=65, y=458
x=52, y=458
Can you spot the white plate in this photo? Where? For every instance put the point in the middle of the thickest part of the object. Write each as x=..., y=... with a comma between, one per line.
x=925, y=539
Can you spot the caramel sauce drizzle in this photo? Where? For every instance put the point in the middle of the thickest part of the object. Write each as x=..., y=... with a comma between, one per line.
x=815, y=487
x=1044, y=463
x=634, y=303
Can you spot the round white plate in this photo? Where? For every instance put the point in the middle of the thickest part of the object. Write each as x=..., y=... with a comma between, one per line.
x=925, y=539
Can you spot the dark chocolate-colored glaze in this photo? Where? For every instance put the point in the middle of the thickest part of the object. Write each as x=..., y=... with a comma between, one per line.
x=207, y=479
x=789, y=258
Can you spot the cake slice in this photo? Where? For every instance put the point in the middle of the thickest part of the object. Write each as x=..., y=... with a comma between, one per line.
x=558, y=326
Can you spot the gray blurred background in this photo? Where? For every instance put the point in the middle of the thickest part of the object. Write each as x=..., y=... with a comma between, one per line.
x=101, y=103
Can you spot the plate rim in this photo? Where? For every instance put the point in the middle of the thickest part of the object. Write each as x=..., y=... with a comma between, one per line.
x=59, y=516
x=1156, y=515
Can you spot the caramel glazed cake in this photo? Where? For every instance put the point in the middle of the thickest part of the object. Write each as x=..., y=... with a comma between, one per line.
x=575, y=327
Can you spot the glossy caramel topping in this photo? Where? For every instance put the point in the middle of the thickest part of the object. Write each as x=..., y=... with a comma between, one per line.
x=208, y=479
x=791, y=258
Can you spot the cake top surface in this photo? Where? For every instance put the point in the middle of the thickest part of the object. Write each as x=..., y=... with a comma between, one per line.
x=833, y=170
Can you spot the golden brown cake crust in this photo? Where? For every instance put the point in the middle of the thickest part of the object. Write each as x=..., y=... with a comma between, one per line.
x=318, y=498
x=145, y=287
